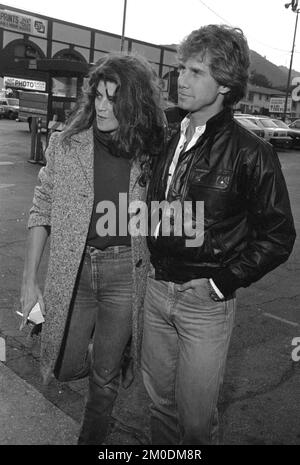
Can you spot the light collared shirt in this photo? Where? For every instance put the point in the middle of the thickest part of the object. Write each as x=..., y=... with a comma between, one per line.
x=199, y=130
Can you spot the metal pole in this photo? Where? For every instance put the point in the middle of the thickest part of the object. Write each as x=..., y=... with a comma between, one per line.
x=123, y=27
x=290, y=69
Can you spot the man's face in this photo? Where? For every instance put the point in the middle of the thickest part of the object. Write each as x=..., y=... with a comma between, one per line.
x=198, y=91
x=106, y=120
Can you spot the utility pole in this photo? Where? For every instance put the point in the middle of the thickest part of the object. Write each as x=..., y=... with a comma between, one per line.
x=294, y=5
x=123, y=27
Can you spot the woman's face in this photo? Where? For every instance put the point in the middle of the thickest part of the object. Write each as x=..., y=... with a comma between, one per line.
x=106, y=120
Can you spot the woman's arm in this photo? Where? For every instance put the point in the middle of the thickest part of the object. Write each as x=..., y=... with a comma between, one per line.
x=30, y=291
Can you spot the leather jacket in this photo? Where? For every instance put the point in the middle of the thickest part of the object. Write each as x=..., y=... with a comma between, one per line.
x=248, y=224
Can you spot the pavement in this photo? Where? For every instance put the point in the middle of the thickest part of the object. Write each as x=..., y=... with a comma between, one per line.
x=260, y=399
x=27, y=414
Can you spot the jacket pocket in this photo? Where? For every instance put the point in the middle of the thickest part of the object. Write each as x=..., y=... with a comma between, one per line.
x=212, y=179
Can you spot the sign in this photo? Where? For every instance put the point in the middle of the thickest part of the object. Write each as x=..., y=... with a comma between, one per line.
x=27, y=84
x=296, y=91
x=23, y=23
x=277, y=105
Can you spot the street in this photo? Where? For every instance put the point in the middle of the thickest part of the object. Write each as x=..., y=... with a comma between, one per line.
x=260, y=398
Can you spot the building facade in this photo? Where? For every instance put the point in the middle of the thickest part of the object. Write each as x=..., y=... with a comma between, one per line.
x=43, y=54
x=266, y=101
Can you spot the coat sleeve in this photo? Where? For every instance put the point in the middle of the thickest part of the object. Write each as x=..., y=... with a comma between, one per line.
x=272, y=227
x=40, y=212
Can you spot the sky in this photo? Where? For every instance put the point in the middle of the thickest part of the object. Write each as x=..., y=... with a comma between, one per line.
x=267, y=24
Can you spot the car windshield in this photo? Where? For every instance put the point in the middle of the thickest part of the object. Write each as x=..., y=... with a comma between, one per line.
x=247, y=123
x=13, y=101
x=267, y=123
x=280, y=124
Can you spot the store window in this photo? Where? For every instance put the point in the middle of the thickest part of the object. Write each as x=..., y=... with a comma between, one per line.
x=64, y=87
x=21, y=49
x=69, y=54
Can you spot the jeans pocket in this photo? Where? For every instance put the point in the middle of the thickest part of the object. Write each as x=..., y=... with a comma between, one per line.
x=202, y=291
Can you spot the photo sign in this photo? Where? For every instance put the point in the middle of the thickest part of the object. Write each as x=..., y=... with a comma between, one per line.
x=28, y=84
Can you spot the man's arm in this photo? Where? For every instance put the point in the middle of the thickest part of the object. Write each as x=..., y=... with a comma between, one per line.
x=270, y=216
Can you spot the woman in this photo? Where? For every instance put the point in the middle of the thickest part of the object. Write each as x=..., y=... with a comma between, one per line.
x=97, y=273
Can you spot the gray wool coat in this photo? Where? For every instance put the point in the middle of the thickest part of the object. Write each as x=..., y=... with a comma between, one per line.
x=64, y=201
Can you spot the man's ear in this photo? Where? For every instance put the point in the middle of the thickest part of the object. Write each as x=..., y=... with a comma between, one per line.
x=224, y=90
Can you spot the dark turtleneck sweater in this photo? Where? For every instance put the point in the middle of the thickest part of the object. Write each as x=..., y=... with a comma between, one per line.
x=111, y=177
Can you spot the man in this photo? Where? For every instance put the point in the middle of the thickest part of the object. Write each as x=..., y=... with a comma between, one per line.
x=248, y=231
x=97, y=273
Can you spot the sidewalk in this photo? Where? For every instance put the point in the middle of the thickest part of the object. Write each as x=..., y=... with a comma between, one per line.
x=26, y=417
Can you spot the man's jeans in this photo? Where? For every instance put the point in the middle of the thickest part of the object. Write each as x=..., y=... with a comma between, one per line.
x=185, y=344
x=102, y=303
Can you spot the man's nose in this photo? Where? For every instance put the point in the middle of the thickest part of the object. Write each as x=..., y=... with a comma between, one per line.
x=182, y=80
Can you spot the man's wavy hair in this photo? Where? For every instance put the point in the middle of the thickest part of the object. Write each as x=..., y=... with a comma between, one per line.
x=227, y=52
x=136, y=105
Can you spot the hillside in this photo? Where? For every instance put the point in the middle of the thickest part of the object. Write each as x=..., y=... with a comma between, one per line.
x=277, y=75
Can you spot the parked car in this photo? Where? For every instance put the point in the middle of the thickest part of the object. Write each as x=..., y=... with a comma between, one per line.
x=250, y=126
x=9, y=108
x=277, y=136
x=293, y=133
x=295, y=124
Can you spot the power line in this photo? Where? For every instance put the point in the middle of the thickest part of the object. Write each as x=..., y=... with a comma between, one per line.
x=230, y=24
x=214, y=12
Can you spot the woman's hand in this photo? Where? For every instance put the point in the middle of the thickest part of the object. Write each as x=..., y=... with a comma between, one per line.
x=30, y=291
x=30, y=295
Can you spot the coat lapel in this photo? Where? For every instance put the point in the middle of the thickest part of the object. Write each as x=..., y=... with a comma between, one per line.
x=82, y=149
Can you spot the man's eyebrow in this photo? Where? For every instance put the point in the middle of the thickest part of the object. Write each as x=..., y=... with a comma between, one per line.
x=199, y=70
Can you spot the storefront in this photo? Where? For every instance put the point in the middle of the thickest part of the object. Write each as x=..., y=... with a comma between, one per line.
x=47, y=55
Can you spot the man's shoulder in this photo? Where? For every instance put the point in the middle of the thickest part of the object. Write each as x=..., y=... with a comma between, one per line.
x=247, y=139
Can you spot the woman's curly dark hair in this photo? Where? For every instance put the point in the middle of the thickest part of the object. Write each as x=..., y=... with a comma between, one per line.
x=140, y=134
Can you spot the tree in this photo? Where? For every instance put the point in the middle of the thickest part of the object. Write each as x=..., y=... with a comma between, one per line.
x=259, y=79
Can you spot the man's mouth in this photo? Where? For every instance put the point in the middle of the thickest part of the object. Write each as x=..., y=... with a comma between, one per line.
x=181, y=94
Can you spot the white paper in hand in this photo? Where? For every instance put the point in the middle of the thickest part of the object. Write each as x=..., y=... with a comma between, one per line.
x=35, y=316
x=2, y=350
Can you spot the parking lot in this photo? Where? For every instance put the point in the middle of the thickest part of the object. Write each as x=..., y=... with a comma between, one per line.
x=260, y=399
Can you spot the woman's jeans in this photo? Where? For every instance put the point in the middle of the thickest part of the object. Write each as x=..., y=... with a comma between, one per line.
x=103, y=304
x=185, y=344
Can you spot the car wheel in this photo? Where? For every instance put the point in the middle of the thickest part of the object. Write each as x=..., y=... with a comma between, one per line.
x=11, y=115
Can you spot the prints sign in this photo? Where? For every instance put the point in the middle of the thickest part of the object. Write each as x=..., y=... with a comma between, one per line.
x=27, y=84
x=23, y=23
x=277, y=105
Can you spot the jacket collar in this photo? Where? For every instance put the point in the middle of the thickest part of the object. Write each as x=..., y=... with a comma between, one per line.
x=82, y=149
x=219, y=120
